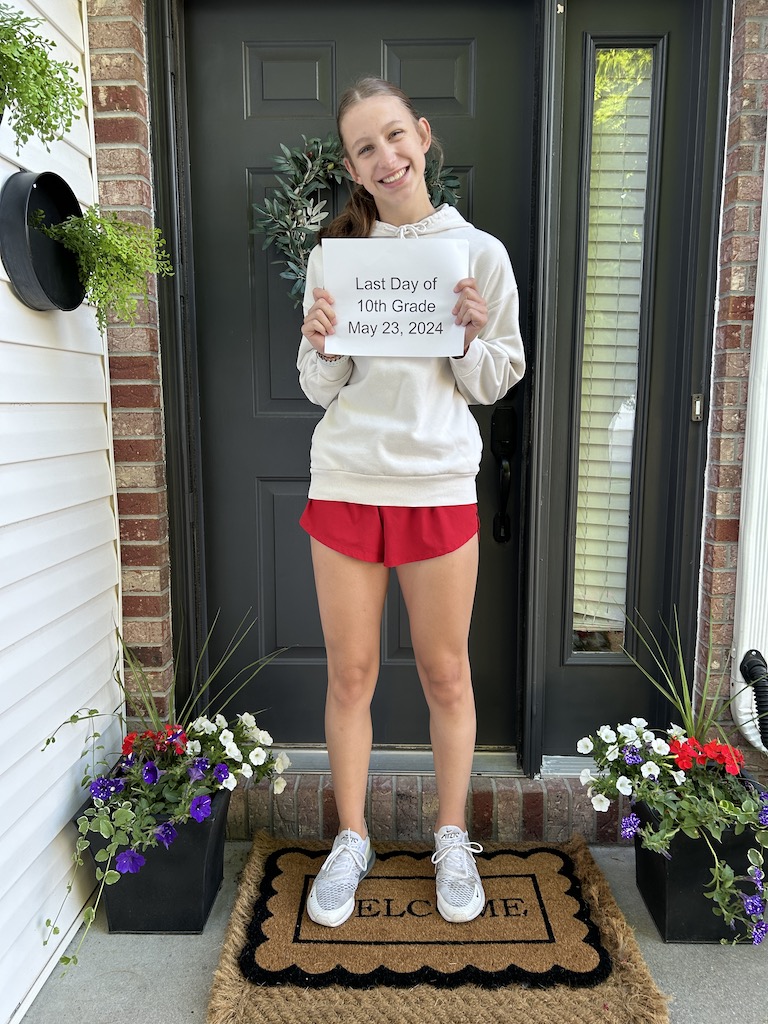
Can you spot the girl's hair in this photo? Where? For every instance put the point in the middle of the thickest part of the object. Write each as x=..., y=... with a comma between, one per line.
x=359, y=215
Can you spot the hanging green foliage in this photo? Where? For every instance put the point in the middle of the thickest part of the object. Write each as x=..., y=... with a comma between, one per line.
x=37, y=93
x=294, y=213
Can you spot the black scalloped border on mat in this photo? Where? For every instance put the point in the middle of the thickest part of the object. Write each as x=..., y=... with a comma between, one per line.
x=469, y=975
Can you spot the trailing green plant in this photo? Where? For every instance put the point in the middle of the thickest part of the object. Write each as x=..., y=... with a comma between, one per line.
x=168, y=768
x=115, y=258
x=39, y=94
x=293, y=214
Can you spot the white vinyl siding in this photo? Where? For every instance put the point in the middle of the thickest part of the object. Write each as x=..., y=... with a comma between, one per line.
x=59, y=579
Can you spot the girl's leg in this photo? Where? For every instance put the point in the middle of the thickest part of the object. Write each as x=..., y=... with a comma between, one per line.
x=439, y=594
x=350, y=595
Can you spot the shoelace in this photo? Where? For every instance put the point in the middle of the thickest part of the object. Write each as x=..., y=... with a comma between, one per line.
x=464, y=850
x=346, y=847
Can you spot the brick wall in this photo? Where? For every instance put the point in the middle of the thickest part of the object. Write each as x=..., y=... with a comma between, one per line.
x=121, y=115
x=745, y=157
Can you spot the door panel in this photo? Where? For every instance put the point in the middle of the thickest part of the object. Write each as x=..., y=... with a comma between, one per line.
x=252, y=84
x=639, y=136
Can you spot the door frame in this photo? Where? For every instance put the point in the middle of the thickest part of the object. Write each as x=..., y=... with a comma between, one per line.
x=167, y=85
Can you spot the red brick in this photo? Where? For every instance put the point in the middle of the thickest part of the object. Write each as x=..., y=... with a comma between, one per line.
x=509, y=810
x=111, y=128
x=722, y=529
x=330, y=823
x=533, y=809
x=139, y=367
x=381, y=808
x=144, y=530
x=125, y=339
x=138, y=503
x=115, y=35
x=137, y=424
x=117, y=192
x=117, y=67
x=142, y=606
x=139, y=450
x=482, y=803
x=116, y=9
x=145, y=554
x=135, y=396
x=123, y=161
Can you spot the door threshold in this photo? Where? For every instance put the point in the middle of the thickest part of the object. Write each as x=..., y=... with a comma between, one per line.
x=403, y=761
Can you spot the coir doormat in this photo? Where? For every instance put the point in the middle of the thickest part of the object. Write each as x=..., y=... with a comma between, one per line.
x=551, y=944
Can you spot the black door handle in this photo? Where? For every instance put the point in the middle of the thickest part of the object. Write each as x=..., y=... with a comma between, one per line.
x=503, y=434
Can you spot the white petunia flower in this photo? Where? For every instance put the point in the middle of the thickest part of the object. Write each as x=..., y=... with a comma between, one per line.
x=612, y=753
x=648, y=736
x=650, y=770
x=264, y=738
x=639, y=723
x=628, y=732
x=676, y=732
x=221, y=721
x=660, y=746
x=230, y=782
x=193, y=747
x=679, y=777
x=586, y=776
x=232, y=750
x=258, y=756
x=249, y=722
x=282, y=761
x=278, y=785
x=624, y=785
x=203, y=724
x=245, y=770
x=585, y=745
x=600, y=802
x=226, y=736
x=606, y=734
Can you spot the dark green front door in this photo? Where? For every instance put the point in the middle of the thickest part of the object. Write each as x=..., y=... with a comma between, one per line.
x=259, y=75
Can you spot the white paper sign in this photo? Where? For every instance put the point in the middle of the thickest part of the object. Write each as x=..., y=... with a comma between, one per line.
x=394, y=296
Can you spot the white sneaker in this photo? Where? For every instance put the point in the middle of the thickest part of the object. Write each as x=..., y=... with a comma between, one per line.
x=332, y=898
x=460, y=895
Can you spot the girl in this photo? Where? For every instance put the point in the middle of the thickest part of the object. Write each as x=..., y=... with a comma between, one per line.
x=393, y=467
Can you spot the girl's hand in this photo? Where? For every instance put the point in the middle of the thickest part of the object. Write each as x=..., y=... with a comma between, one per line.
x=471, y=311
x=319, y=321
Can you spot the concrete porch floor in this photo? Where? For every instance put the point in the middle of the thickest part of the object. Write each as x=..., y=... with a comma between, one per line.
x=161, y=979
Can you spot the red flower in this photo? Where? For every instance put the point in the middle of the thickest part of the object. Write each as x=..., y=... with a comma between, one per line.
x=177, y=737
x=128, y=743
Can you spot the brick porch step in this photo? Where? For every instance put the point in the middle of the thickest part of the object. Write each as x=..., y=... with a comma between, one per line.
x=404, y=807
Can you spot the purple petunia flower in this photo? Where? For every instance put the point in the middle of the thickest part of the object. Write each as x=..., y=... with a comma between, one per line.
x=129, y=862
x=631, y=755
x=150, y=772
x=758, y=878
x=196, y=771
x=762, y=816
x=630, y=826
x=221, y=772
x=166, y=833
x=200, y=808
x=753, y=905
x=759, y=932
x=103, y=787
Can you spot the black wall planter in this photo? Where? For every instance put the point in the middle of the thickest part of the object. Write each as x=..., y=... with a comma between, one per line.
x=43, y=273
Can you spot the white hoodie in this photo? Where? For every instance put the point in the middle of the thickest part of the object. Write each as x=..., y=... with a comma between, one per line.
x=398, y=431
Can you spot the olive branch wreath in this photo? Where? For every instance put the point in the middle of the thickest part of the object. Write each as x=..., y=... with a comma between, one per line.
x=292, y=216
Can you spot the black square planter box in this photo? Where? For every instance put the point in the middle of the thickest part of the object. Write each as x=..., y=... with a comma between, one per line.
x=673, y=889
x=176, y=888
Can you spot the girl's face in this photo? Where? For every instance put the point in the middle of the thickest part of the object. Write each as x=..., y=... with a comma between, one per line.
x=386, y=150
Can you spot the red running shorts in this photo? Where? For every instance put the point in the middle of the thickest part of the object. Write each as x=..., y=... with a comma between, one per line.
x=392, y=534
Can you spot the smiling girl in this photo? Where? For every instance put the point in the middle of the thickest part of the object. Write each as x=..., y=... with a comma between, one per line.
x=393, y=467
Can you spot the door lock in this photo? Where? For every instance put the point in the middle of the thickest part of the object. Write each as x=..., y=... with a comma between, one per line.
x=503, y=436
